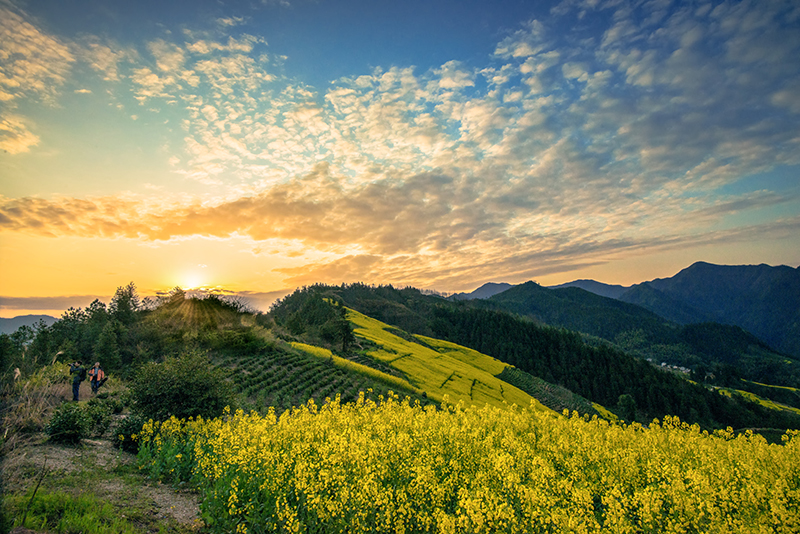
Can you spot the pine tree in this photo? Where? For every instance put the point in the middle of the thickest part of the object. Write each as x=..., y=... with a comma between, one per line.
x=106, y=350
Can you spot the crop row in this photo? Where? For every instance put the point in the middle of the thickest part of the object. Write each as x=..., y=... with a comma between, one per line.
x=283, y=379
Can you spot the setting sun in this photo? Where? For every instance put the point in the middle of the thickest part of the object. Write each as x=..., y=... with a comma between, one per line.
x=192, y=280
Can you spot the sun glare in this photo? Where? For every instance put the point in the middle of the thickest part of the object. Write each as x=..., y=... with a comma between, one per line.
x=192, y=281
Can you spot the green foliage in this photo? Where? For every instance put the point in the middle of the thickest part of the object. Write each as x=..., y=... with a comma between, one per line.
x=68, y=514
x=125, y=304
x=185, y=386
x=106, y=350
x=98, y=413
x=69, y=424
x=626, y=407
x=73, y=421
x=122, y=435
x=311, y=312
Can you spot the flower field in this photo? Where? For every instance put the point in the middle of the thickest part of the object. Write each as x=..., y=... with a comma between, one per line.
x=393, y=466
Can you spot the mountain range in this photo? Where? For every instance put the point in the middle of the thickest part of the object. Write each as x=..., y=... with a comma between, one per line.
x=762, y=299
x=9, y=326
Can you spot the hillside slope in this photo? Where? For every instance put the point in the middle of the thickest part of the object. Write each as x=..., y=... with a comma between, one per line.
x=762, y=299
x=598, y=373
x=439, y=368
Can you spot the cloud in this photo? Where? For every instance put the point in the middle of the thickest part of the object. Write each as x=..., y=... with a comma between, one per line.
x=228, y=22
x=169, y=57
x=31, y=62
x=15, y=138
x=574, y=140
x=104, y=57
x=523, y=43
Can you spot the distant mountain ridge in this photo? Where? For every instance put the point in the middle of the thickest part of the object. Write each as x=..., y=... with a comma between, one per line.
x=612, y=291
x=484, y=292
x=761, y=299
x=9, y=326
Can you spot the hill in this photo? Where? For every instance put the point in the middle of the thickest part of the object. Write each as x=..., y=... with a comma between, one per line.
x=598, y=372
x=324, y=340
x=576, y=309
x=428, y=366
x=761, y=299
x=9, y=326
x=612, y=291
x=484, y=292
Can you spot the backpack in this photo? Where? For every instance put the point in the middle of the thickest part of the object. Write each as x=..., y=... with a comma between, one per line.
x=82, y=374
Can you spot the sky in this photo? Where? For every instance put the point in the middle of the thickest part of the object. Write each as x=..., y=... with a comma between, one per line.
x=256, y=146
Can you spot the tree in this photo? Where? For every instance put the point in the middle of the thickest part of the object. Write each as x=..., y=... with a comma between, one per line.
x=626, y=407
x=106, y=350
x=186, y=386
x=125, y=304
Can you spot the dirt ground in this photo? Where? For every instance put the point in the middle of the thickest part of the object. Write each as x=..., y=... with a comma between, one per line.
x=98, y=467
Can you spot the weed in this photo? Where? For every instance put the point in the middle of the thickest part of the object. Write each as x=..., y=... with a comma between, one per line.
x=62, y=512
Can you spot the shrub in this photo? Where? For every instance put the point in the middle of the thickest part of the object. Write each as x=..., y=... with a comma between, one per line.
x=186, y=386
x=98, y=415
x=124, y=430
x=68, y=424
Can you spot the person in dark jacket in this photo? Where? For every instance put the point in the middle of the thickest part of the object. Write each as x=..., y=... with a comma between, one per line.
x=79, y=371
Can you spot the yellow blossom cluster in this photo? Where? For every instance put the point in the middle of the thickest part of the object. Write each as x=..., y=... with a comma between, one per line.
x=393, y=466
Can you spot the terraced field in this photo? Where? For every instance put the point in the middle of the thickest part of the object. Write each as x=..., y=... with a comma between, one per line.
x=287, y=377
x=440, y=368
x=383, y=359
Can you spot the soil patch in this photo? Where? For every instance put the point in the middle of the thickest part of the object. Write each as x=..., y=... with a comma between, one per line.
x=96, y=466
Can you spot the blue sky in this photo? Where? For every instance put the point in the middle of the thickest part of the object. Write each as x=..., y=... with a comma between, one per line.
x=262, y=145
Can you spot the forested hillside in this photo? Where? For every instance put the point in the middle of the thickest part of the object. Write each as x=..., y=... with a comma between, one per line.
x=718, y=354
x=598, y=372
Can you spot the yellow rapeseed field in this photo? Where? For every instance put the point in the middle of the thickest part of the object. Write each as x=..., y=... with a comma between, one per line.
x=390, y=466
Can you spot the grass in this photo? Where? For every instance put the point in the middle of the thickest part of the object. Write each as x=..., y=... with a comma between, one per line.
x=63, y=512
x=766, y=403
x=440, y=368
x=787, y=388
x=89, y=488
x=342, y=363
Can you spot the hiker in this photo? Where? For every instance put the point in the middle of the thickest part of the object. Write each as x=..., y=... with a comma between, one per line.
x=97, y=377
x=78, y=370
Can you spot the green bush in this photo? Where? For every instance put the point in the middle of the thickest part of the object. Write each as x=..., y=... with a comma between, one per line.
x=186, y=386
x=68, y=424
x=124, y=430
x=98, y=413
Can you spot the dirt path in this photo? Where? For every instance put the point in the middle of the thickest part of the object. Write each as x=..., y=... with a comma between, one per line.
x=97, y=467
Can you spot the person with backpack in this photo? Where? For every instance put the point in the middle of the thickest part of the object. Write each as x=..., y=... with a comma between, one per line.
x=97, y=377
x=79, y=371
